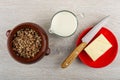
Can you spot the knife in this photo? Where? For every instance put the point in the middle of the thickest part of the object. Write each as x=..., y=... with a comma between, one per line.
x=85, y=40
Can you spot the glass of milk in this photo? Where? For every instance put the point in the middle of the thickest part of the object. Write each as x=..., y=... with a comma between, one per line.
x=64, y=23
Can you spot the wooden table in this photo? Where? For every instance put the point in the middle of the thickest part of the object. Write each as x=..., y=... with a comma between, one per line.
x=14, y=12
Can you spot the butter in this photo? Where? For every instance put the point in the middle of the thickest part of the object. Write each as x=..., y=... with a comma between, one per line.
x=98, y=47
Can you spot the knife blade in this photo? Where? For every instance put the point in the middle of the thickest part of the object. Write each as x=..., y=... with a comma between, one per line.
x=85, y=40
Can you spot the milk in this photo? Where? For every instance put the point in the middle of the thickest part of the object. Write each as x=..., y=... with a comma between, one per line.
x=64, y=23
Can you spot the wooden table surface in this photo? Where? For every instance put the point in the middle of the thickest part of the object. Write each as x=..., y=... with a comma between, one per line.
x=14, y=12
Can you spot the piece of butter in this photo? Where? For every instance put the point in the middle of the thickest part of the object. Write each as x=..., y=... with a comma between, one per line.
x=98, y=47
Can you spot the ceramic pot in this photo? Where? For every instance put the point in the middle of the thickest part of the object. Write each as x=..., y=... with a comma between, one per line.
x=44, y=50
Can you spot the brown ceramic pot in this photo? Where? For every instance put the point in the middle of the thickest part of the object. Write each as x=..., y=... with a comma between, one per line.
x=44, y=49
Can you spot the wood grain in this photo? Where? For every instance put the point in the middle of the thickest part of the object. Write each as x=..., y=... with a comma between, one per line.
x=73, y=55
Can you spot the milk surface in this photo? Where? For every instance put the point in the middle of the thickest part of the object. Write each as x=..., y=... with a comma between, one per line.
x=64, y=23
